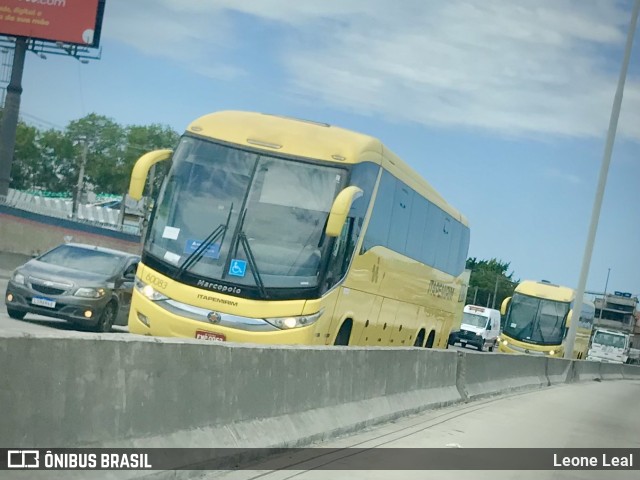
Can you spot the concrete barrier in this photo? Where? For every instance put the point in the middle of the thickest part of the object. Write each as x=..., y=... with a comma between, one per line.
x=558, y=370
x=586, y=370
x=611, y=371
x=125, y=391
x=120, y=390
x=631, y=372
x=484, y=375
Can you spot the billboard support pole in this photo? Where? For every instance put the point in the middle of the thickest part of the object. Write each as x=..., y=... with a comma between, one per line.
x=9, y=124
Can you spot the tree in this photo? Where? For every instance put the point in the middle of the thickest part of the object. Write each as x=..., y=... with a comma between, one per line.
x=26, y=170
x=482, y=285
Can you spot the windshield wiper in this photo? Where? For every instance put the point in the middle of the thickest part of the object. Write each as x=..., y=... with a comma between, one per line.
x=195, y=256
x=241, y=239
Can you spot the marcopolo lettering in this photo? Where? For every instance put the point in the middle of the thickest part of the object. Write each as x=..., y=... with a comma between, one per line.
x=218, y=287
x=440, y=290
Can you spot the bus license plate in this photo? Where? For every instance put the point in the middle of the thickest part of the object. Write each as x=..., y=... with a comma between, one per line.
x=215, y=337
x=43, y=302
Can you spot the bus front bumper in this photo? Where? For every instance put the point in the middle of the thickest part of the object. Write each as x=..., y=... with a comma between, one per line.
x=148, y=318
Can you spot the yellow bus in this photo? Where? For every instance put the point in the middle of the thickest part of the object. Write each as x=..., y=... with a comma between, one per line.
x=276, y=230
x=537, y=319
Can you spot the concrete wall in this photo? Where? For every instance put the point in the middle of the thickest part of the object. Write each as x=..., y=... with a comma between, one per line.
x=30, y=233
x=121, y=390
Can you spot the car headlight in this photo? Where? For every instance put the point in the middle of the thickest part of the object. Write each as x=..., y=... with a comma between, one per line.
x=287, y=323
x=18, y=278
x=90, y=292
x=148, y=291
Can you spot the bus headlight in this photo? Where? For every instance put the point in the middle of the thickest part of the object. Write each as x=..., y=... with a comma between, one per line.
x=552, y=352
x=504, y=343
x=148, y=291
x=287, y=323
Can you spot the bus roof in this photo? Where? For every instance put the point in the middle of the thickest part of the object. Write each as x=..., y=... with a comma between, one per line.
x=548, y=291
x=315, y=140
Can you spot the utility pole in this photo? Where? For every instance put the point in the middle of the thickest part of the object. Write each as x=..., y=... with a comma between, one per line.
x=604, y=297
x=495, y=292
x=9, y=124
x=602, y=180
x=475, y=294
x=80, y=185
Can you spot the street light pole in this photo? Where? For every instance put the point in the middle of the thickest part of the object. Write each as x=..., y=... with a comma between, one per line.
x=604, y=170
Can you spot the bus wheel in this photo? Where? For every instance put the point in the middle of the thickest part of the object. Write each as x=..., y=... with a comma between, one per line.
x=431, y=339
x=419, y=339
x=344, y=334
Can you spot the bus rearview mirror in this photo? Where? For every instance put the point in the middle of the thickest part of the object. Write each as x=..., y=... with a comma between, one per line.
x=141, y=170
x=505, y=306
x=340, y=210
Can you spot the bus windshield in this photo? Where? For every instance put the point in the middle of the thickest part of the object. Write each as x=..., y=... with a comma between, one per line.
x=609, y=340
x=251, y=209
x=536, y=320
x=474, y=320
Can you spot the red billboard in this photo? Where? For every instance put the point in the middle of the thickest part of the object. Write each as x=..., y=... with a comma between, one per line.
x=69, y=21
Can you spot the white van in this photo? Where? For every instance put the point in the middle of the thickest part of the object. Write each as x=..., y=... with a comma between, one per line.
x=480, y=327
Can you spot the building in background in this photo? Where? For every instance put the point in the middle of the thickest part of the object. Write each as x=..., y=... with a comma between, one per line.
x=618, y=312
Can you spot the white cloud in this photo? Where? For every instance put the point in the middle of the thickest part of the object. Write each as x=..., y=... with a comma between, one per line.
x=564, y=177
x=517, y=67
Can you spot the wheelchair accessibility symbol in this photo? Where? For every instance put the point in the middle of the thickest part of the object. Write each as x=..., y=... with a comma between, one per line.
x=238, y=268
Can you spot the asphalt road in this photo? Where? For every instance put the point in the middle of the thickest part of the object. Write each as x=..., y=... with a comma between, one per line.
x=585, y=415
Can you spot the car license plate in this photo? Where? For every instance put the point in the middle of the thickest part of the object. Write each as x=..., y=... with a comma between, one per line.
x=215, y=337
x=43, y=302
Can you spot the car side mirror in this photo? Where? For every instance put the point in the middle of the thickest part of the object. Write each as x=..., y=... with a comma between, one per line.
x=489, y=326
x=130, y=272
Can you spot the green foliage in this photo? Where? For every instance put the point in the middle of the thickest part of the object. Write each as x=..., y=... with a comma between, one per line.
x=51, y=159
x=484, y=274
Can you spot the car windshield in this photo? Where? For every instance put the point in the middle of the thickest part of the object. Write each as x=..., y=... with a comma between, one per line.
x=85, y=259
x=262, y=218
x=609, y=340
x=536, y=320
x=474, y=320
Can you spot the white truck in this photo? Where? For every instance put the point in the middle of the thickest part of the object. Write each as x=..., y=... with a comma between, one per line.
x=609, y=346
x=480, y=327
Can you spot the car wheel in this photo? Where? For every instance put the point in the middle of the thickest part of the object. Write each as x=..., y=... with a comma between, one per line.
x=17, y=314
x=107, y=318
x=491, y=348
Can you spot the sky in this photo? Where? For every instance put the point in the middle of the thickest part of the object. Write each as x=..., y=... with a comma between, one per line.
x=501, y=105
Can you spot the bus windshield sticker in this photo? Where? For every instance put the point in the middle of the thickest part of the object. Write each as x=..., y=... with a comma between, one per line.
x=237, y=268
x=171, y=233
x=172, y=257
x=212, y=251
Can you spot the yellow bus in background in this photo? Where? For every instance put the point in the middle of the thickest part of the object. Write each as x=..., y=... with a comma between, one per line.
x=537, y=319
x=276, y=230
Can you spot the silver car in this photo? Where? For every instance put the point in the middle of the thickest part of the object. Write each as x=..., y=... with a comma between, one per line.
x=83, y=284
